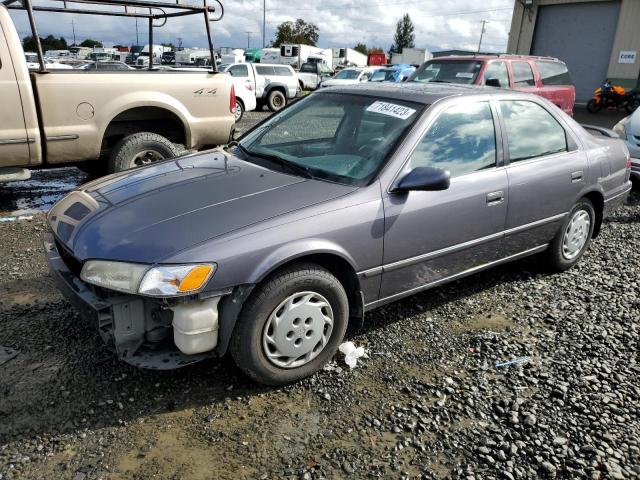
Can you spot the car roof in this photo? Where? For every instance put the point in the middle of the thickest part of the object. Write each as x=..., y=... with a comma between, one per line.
x=483, y=57
x=425, y=93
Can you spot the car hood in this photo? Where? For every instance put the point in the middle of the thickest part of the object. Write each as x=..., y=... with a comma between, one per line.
x=148, y=214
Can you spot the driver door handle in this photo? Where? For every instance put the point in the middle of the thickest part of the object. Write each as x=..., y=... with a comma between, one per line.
x=495, y=198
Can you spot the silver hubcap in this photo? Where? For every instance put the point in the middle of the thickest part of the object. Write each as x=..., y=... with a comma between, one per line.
x=298, y=329
x=145, y=157
x=238, y=112
x=576, y=234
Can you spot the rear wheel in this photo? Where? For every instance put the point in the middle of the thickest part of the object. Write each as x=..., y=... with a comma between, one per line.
x=276, y=100
x=573, y=238
x=291, y=325
x=593, y=106
x=141, y=149
x=239, y=111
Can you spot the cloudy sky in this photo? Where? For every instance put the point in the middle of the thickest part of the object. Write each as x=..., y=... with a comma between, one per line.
x=342, y=23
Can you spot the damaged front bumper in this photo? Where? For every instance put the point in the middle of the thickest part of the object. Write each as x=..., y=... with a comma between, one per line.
x=141, y=329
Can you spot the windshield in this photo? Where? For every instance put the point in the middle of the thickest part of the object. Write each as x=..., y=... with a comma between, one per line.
x=348, y=75
x=333, y=137
x=383, y=75
x=308, y=68
x=448, y=71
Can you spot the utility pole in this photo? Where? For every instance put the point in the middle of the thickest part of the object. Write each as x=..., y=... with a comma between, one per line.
x=248, y=38
x=73, y=28
x=484, y=22
x=137, y=38
x=264, y=23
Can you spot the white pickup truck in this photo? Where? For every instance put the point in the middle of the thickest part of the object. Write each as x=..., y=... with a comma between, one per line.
x=274, y=85
x=103, y=120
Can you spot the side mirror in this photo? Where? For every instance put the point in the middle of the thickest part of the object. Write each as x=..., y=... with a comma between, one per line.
x=492, y=82
x=424, y=179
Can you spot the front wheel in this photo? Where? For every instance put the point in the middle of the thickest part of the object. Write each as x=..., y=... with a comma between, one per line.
x=593, y=106
x=632, y=105
x=291, y=325
x=141, y=149
x=276, y=100
x=573, y=238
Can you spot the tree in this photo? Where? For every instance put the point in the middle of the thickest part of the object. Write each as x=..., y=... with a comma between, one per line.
x=361, y=47
x=48, y=43
x=404, y=37
x=298, y=32
x=91, y=43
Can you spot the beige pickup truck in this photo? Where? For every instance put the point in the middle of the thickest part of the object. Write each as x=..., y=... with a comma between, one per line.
x=103, y=121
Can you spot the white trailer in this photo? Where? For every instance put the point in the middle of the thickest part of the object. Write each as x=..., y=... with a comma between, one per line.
x=270, y=55
x=348, y=57
x=189, y=56
x=296, y=55
x=411, y=56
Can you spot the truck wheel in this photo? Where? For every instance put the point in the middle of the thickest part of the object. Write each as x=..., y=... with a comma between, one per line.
x=141, y=149
x=291, y=325
x=239, y=111
x=276, y=100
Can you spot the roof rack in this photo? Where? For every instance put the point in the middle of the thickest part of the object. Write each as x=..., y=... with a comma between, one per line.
x=212, y=11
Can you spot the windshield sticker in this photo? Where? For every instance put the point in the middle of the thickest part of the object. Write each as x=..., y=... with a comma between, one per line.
x=391, y=109
x=464, y=75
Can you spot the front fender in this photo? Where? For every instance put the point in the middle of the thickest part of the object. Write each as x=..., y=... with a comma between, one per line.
x=298, y=250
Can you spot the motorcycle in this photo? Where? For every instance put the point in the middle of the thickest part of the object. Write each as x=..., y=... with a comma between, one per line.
x=613, y=96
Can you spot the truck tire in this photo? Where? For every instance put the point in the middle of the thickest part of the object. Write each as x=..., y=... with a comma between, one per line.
x=141, y=149
x=276, y=100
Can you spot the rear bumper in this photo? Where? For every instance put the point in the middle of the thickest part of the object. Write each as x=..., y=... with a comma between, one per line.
x=122, y=321
x=613, y=202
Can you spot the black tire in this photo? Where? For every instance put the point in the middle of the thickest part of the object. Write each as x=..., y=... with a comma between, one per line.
x=593, y=106
x=246, y=343
x=239, y=112
x=556, y=258
x=276, y=100
x=632, y=105
x=130, y=152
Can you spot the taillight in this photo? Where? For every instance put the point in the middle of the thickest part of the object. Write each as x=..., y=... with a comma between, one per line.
x=232, y=100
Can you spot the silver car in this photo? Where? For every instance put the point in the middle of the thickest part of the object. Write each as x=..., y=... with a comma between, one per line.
x=629, y=130
x=346, y=200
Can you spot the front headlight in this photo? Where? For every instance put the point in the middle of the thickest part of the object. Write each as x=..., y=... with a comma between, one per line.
x=159, y=281
x=620, y=129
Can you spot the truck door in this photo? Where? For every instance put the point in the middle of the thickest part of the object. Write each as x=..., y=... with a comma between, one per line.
x=14, y=144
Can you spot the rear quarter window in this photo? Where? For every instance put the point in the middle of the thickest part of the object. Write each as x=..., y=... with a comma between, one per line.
x=283, y=72
x=553, y=73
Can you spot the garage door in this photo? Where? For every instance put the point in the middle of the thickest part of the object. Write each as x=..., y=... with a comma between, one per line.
x=580, y=34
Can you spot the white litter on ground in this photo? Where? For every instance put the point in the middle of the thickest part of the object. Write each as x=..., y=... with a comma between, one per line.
x=351, y=353
x=13, y=219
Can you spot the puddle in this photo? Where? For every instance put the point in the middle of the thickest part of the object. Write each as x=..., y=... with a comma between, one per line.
x=21, y=199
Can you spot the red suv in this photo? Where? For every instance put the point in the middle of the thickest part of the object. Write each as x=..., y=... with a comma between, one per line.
x=545, y=76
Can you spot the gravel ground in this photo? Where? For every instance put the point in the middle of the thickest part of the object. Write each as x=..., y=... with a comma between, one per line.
x=429, y=402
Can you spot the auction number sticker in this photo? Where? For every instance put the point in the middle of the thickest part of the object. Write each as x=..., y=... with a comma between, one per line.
x=391, y=109
x=464, y=75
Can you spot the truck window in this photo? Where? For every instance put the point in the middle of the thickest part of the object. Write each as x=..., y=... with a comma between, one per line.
x=498, y=71
x=522, y=74
x=283, y=72
x=264, y=70
x=553, y=73
x=308, y=68
x=238, y=71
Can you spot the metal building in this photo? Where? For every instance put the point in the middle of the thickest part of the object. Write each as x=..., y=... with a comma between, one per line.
x=597, y=39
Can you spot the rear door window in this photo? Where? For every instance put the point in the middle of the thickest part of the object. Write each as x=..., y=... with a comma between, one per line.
x=531, y=130
x=283, y=71
x=497, y=71
x=264, y=70
x=522, y=74
x=239, y=71
x=553, y=73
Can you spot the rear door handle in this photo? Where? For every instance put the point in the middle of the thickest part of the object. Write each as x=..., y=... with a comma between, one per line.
x=495, y=198
x=576, y=176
